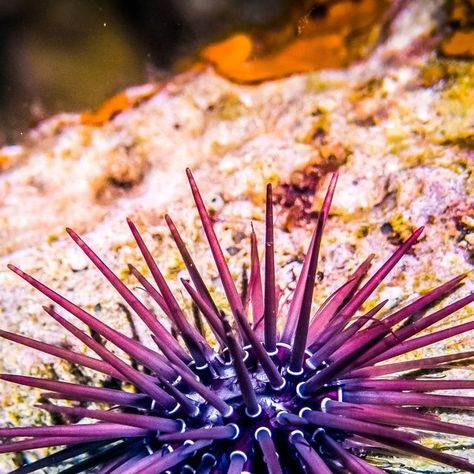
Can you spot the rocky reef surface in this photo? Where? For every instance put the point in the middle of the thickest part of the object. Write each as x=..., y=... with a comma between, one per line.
x=399, y=126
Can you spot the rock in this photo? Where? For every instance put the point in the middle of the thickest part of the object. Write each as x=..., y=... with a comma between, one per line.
x=384, y=125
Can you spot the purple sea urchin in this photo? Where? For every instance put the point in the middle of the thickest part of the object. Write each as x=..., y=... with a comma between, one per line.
x=312, y=398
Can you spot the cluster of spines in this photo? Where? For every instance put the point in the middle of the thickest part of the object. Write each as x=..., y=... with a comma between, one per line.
x=325, y=391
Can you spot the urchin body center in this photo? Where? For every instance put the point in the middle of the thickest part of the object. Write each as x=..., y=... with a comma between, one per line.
x=273, y=401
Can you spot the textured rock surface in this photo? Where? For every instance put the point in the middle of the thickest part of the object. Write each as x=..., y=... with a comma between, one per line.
x=399, y=125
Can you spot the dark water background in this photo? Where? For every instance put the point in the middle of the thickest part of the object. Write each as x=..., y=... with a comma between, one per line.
x=69, y=55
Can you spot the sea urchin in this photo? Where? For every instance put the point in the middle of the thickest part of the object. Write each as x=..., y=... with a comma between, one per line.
x=311, y=398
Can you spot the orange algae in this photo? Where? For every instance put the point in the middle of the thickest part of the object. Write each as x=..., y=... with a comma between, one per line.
x=460, y=42
x=316, y=34
x=327, y=35
x=118, y=103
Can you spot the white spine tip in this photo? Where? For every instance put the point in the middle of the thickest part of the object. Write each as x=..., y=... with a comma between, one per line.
x=280, y=415
x=324, y=404
x=262, y=429
x=254, y=415
x=236, y=429
x=299, y=391
x=221, y=357
x=316, y=433
x=281, y=386
x=292, y=372
x=303, y=411
x=296, y=433
x=273, y=353
x=340, y=394
x=174, y=410
x=209, y=456
x=241, y=454
x=148, y=448
x=202, y=367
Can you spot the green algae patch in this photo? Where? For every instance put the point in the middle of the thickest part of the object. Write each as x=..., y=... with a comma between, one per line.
x=316, y=82
x=456, y=106
x=229, y=107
